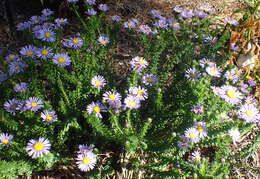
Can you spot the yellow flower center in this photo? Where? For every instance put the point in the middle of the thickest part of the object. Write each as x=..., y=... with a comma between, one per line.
x=230, y=77
x=104, y=42
x=34, y=104
x=17, y=67
x=47, y=34
x=131, y=104
x=86, y=161
x=38, y=146
x=61, y=60
x=237, y=72
x=98, y=83
x=11, y=56
x=214, y=71
x=200, y=129
x=112, y=96
x=129, y=24
x=49, y=117
x=61, y=20
x=249, y=113
x=29, y=53
x=13, y=107
x=36, y=21
x=142, y=61
x=45, y=52
x=193, y=75
x=192, y=136
x=75, y=41
x=97, y=109
x=230, y=93
x=5, y=141
x=174, y=23
x=150, y=80
x=140, y=92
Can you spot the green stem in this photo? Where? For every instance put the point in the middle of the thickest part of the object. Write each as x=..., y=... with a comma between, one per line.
x=78, y=15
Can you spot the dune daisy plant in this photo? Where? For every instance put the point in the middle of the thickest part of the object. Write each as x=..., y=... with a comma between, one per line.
x=38, y=148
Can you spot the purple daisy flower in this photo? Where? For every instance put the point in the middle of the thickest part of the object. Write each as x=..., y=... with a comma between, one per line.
x=91, y=12
x=61, y=22
x=116, y=18
x=183, y=143
x=17, y=67
x=195, y=156
x=173, y=24
x=156, y=13
x=145, y=29
x=187, y=14
x=46, y=35
x=229, y=75
x=206, y=8
x=192, y=134
x=85, y=148
x=192, y=74
x=23, y=25
x=132, y=102
x=111, y=97
x=103, y=7
x=6, y=139
x=200, y=14
x=38, y=148
x=201, y=128
x=213, y=70
x=130, y=24
x=21, y=87
x=22, y=107
x=49, y=116
x=35, y=19
x=206, y=62
x=138, y=92
x=90, y=2
x=150, y=79
x=250, y=100
x=61, y=60
x=249, y=113
x=33, y=104
x=138, y=63
x=231, y=21
x=197, y=109
x=74, y=42
x=103, y=40
x=96, y=108
x=28, y=51
x=44, y=53
x=3, y=77
x=178, y=9
x=251, y=82
x=234, y=47
x=86, y=161
x=161, y=23
x=98, y=81
x=230, y=94
x=12, y=57
x=12, y=106
x=210, y=40
x=47, y=12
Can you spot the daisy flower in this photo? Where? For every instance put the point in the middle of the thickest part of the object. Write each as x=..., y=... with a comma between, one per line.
x=249, y=113
x=192, y=74
x=12, y=106
x=173, y=24
x=103, y=40
x=46, y=35
x=61, y=22
x=103, y=7
x=96, y=108
x=35, y=19
x=183, y=143
x=90, y=2
x=216, y=90
x=116, y=18
x=250, y=100
x=91, y=12
x=145, y=29
x=111, y=97
x=28, y=51
x=187, y=14
x=44, y=53
x=156, y=13
x=230, y=94
x=98, y=81
x=234, y=134
x=138, y=63
x=161, y=23
x=201, y=127
x=196, y=156
x=229, y=75
x=47, y=12
x=11, y=57
x=85, y=148
x=17, y=67
x=205, y=62
x=33, y=104
x=130, y=24
x=138, y=92
x=197, y=109
x=200, y=14
x=3, y=77
x=150, y=79
x=206, y=8
x=178, y=9
x=74, y=42
x=86, y=161
x=231, y=21
x=213, y=70
x=61, y=59
x=23, y=25
x=38, y=148
x=132, y=102
x=21, y=87
x=49, y=116
x=192, y=134
x=5, y=139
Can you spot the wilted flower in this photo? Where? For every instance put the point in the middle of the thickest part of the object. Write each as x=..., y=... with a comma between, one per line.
x=91, y=12
x=132, y=102
x=85, y=148
x=103, y=7
x=234, y=134
x=38, y=148
x=249, y=113
x=17, y=67
x=103, y=40
x=197, y=109
x=96, y=108
x=61, y=60
x=98, y=81
x=21, y=87
x=49, y=116
x=150, y=79
x=33, y=104
x=86, y=161
x=5, y=139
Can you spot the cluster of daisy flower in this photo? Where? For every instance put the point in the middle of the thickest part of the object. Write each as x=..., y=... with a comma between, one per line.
x=86, y=159
x=193, y=135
